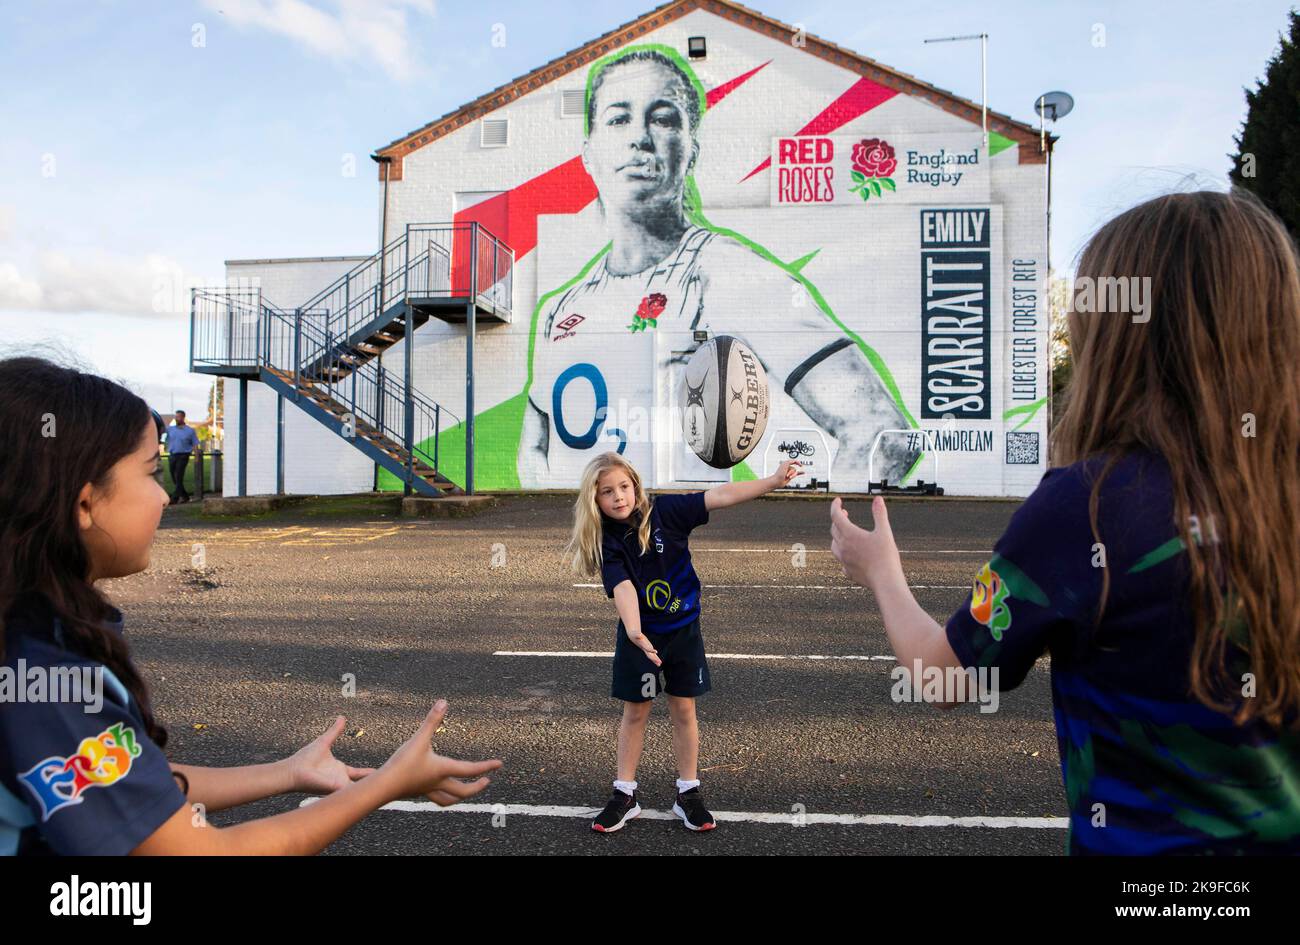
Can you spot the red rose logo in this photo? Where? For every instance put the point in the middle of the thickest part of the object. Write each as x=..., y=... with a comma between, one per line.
x=873, y=167
x=651, y=307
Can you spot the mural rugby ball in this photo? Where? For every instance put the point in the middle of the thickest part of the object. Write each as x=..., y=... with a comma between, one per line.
x=726, y=401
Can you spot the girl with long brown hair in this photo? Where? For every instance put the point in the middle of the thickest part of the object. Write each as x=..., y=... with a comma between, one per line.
x=82, y=765
x=1158, y=563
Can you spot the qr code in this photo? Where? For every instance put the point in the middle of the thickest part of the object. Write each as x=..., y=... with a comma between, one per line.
x=1022, y=449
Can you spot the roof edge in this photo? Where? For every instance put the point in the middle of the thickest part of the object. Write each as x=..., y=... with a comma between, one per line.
x=1017, y=131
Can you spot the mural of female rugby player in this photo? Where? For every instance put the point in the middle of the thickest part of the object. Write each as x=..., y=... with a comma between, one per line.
x=594, y=360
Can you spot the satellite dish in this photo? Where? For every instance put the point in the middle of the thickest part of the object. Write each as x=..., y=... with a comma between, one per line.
x=1054, y=105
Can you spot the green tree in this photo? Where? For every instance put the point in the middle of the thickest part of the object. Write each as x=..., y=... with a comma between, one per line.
x=1267, y=161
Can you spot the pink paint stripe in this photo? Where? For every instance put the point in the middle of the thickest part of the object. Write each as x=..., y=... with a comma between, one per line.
x=862, y=96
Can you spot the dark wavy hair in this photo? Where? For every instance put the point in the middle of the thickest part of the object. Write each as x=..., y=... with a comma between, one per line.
x=41, y=552
x=643, y=54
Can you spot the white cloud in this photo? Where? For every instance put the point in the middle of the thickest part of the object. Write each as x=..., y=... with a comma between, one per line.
x=151, y=286
x=366, y=30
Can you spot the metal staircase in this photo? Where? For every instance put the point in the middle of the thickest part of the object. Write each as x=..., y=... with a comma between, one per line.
x=324, y=356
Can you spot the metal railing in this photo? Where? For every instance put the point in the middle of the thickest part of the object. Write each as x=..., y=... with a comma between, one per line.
x=236, y=328
x=427, y=261
x=300, y=346
x=224, y=324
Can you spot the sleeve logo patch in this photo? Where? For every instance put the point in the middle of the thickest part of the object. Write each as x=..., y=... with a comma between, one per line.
x=100, y=761
x=988, y=601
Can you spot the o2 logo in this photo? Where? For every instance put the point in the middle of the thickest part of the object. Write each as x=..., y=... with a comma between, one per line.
x=591, y=374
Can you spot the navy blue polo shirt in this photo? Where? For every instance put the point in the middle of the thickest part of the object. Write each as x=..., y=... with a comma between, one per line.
x=667, y=587
x=1148, y=769
x=76, y=777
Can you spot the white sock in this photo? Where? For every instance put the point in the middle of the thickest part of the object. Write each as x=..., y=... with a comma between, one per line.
x=627, y=787
x=684, y=786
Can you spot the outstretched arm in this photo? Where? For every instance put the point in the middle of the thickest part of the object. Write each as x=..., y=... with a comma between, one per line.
x=871, y=559
x=413, y=769
x=312, y=769
x=629, y=611
x=734, y=493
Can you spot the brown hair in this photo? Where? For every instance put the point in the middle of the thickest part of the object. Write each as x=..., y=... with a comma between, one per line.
x=43, y=561
x=1210, y=380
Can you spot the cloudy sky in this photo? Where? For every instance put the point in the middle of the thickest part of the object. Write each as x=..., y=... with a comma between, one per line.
x=144, y=142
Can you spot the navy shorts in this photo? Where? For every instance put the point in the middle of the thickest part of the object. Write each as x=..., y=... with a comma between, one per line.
x=685, y=671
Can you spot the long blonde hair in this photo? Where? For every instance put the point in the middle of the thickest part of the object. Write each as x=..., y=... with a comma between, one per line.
x=1211, y=382
x=584, y=544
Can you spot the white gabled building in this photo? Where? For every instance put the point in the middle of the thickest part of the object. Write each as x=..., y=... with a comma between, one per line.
x=701, y=171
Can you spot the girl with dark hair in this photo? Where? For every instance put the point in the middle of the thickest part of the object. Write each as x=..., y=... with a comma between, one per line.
x=1159, y=562
x=82, y=769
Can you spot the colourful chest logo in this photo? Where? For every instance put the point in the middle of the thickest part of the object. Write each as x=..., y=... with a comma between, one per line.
x=651, y=307
x=98, y=762
x=988, y=601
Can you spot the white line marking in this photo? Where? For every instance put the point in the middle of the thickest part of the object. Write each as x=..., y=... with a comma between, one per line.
x=713, y=656
x=814, y=587
x=737, y=816
x=826, y=551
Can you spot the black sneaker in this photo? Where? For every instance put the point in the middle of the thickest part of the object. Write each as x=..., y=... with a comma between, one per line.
x=690, y=808
x=620, y=809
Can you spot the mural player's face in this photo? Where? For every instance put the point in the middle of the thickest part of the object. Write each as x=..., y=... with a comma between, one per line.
x=640, y=148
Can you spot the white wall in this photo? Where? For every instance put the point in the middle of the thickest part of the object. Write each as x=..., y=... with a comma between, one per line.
x=317, y=461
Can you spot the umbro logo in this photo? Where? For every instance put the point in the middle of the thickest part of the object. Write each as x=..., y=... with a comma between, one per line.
x=565, y=329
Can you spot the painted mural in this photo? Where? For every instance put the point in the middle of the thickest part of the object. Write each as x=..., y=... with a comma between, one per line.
x=874, y=314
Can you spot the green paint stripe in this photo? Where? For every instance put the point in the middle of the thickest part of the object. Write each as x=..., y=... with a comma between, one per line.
x=742, y=473
x=496, y=449
x=799, y=263
x=537, y=309
x=1030, y=411
x=911, y=469
x=999, y=143
x=1169, y=549
x=1020, y=584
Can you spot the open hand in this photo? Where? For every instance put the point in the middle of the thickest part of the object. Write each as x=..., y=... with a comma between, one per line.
x=643, y=643
x=867, y=557
x=417, y=769
x=787, y=471
x=314, y=769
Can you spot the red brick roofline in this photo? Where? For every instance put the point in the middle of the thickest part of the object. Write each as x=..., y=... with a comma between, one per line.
x=1024, y=135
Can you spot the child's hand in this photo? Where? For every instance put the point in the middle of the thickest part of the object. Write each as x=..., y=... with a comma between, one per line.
x=416, y=769
x=787, y=471
x=643, y=643
x=868, y=557
x=314, y=769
